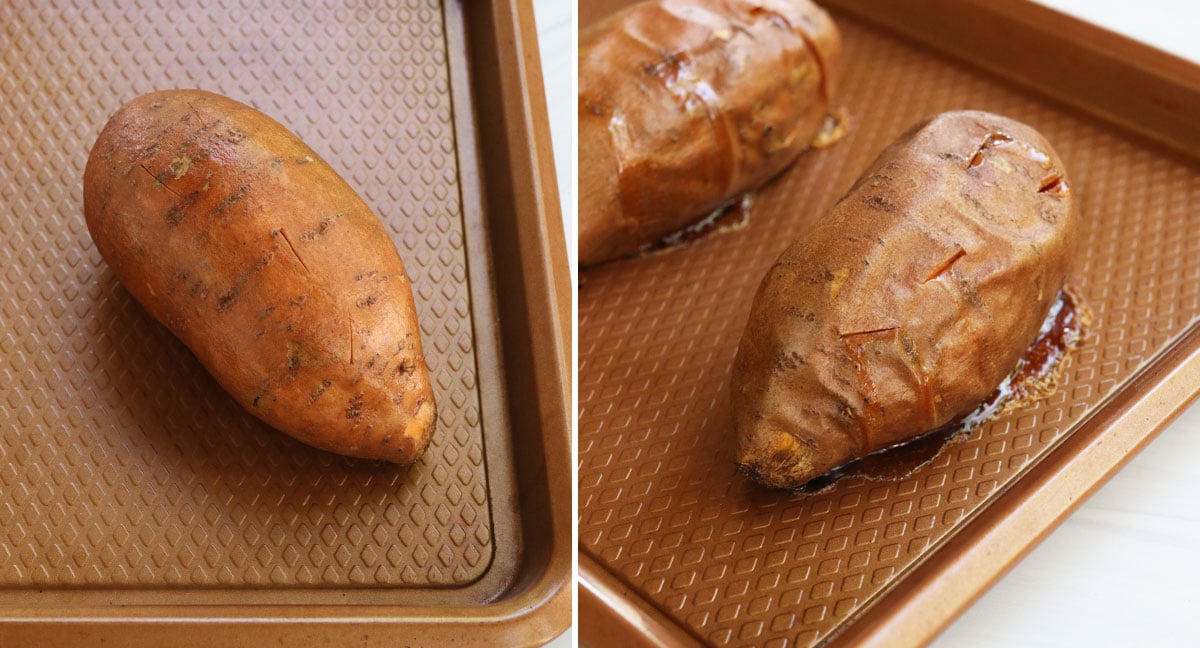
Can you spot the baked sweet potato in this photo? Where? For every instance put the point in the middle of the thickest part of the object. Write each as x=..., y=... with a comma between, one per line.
x=909, y=303
x=252, y=250
x=686, y=104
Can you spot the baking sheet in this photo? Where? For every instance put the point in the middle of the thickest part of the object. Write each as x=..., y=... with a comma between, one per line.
x=129, y=478
x=671, y=536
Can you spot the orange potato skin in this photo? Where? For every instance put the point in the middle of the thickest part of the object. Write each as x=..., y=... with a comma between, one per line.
x=909, y=303
x=686, y=104
x=255, y=253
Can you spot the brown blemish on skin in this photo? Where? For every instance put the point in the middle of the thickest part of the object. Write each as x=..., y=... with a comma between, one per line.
x=971, y=294
x=797, y=312
x=226, y=298
x=262, y=262
x=229, y=296
x=821, y=276
x=368, y=301
x=322, y=228
x=179, y=210
x=229, y=201
x=789, y=361
x=196, y=133
x=319, y=391
x=404, y=367
x=882, y=203
x=354, y=409
x=232, y=136
x=198, y=290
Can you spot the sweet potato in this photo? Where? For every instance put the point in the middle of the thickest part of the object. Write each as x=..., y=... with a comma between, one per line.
x=252, y=250
x=909, y=303
x=686, y=104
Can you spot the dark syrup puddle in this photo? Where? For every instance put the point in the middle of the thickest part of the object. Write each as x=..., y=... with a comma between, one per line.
x=729, y=217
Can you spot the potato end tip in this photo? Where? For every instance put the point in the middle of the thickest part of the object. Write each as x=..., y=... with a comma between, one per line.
x=776, y=459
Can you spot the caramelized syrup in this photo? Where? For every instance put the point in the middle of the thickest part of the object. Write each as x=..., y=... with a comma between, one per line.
x=730, y=217
x=837, y=125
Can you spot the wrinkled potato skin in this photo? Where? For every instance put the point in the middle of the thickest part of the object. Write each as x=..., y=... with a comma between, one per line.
x=686, y=104
x=252, y=250
x=909, y=303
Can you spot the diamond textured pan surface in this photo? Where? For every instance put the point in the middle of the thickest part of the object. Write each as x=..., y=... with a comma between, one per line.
x=122, y=463
x=661, y=506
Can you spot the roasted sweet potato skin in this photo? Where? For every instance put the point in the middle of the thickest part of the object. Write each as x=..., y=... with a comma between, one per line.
x=686, y=104
x=907, y=305
x=255, y=253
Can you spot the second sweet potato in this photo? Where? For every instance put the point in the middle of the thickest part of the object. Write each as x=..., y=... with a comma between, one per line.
x=686, y=104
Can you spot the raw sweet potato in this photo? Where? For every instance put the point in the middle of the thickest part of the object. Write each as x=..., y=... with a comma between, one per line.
x=253, y=251
x=909, y=303
x=686, y=104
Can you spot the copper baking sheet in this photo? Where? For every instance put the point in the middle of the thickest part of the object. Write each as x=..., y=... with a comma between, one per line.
x=676, y=548
x=135, y=495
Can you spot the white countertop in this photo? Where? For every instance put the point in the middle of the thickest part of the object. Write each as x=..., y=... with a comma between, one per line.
x=555, y=29
x=1124, y=569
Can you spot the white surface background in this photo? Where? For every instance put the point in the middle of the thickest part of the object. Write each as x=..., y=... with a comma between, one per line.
x=555, y=28
x=1124, y=569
